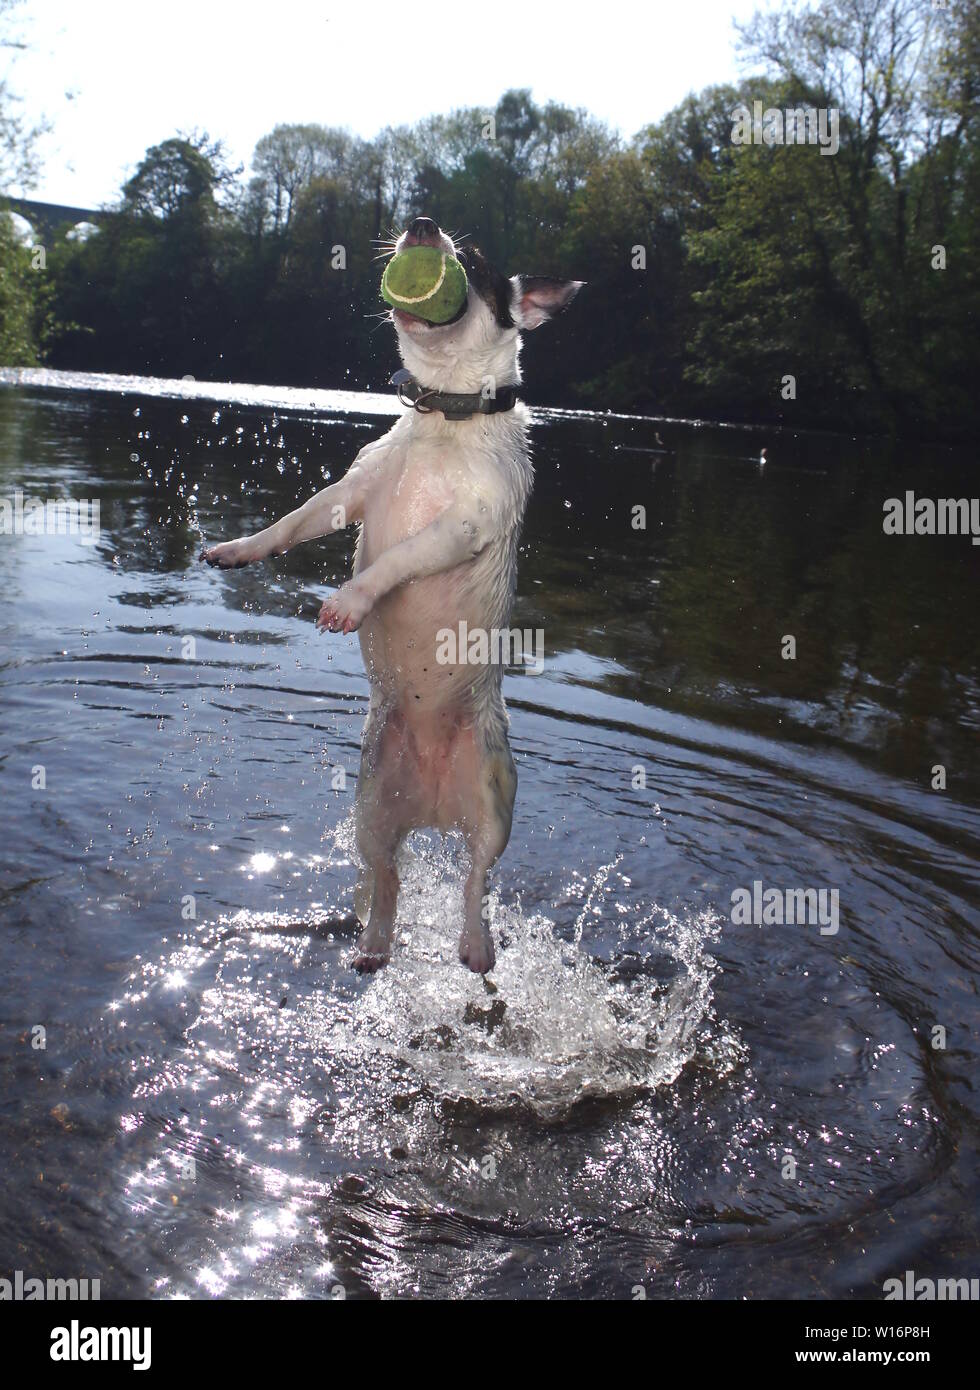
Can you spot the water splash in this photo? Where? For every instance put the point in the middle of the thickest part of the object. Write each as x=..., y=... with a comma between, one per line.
x=551, y=1027
x=551, y=1030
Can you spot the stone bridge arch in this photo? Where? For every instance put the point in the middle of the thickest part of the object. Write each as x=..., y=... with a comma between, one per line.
x=48, y=218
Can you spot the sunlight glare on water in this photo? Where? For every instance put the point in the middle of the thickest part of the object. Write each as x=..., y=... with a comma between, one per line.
x=555, y=1029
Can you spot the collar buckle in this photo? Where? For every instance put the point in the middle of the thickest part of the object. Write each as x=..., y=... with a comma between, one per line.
x=416, y=404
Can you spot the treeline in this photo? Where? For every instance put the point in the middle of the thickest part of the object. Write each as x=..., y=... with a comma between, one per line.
x=742, y=281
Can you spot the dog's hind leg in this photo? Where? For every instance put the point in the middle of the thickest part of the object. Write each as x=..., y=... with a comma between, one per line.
x=376, y=896
x=380, y=825
x=486, y=830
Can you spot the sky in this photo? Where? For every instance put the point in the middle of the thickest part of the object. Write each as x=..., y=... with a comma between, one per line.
x=114, y=77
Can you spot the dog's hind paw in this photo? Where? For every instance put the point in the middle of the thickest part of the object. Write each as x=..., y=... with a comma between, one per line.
x=368, y=962
x=477, y=951
x=371, y=953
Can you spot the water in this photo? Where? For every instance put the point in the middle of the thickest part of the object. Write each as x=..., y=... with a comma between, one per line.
x=222, y=1107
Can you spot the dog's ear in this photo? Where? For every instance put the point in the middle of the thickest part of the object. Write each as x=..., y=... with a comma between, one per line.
x=537, y=298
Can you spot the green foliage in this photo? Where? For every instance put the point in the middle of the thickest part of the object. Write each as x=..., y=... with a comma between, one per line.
x=18, y=347
x=25, y=300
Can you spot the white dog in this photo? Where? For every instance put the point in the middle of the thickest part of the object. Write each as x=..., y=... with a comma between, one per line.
x=440, y=501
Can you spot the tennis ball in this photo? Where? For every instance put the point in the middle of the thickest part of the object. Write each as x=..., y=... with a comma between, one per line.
x=426, y=282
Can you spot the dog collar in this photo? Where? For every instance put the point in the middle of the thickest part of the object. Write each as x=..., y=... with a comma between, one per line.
x=454, y=405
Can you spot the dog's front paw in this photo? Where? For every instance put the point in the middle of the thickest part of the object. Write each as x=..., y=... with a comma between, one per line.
x=345, y=610
x=230, y=555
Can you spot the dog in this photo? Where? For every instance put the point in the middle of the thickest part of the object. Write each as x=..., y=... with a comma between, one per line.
x=439, y=501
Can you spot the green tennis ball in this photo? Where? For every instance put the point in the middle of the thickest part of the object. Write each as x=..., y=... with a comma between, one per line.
x=426, y=282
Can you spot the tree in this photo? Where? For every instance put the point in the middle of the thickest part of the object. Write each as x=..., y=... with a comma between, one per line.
x=288, y=160
x=19, y=161
x=149, y=292
x=17, y=339
x=18, y=167
x=179, y=177
x=866, y=248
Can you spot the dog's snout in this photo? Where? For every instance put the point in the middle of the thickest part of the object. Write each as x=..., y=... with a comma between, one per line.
x=422, y=231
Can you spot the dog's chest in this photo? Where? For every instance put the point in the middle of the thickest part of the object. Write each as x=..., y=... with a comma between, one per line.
x=418, y=483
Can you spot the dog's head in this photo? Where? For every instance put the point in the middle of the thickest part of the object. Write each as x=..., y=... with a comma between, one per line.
x=482, y=341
